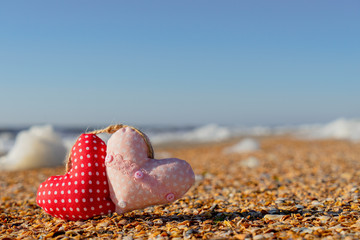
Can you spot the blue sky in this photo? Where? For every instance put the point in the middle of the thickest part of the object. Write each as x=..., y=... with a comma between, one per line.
x=179, y=62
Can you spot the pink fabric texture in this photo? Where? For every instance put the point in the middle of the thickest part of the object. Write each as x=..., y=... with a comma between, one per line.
x=136, y=181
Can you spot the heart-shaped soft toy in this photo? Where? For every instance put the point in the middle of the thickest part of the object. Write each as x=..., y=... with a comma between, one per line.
x=83, y=192
x=136, y=180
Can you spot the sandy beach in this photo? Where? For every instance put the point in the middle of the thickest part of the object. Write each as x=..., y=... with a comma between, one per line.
x=289, y=188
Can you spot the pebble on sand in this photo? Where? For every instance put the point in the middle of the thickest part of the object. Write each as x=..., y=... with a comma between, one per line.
x=244, y=146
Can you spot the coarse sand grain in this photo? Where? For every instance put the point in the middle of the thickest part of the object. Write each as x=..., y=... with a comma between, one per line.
x=299, y=189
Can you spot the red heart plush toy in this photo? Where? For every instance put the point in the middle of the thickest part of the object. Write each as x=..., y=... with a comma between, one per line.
x=83, y=192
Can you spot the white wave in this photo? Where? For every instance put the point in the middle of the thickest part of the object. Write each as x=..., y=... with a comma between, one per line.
x=245, y=145
x=210, y=132
x=348, y=129
x=40, y=146
x=339, y=129
x=6, y=142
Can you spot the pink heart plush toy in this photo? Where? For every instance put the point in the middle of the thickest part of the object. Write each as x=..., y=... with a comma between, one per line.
x=136, y=180
x=83, y=192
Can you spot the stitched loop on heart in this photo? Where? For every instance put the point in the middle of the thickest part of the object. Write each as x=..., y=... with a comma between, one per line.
x=110, y=130
x=126, y=167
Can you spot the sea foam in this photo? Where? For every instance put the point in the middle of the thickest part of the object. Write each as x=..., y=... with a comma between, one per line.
x=40, y=146
x=348, y=129
x=6, y=142
x=206, y=133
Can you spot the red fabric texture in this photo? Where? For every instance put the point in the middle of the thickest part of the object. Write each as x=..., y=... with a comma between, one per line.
x=83, y=192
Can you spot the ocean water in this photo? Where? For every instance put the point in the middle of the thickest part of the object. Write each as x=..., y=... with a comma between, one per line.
x=17, y=144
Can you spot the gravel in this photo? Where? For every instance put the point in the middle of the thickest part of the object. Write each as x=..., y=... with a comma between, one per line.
x=301, y=189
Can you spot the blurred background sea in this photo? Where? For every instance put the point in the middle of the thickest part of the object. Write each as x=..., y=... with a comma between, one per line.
x=347, y=129
x=17, y=144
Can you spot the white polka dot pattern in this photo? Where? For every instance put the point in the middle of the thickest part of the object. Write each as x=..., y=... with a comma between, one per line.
x=137, y=181
x=69, y=197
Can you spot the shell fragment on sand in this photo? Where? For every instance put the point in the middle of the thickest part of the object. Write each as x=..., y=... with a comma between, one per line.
x=244, y=146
